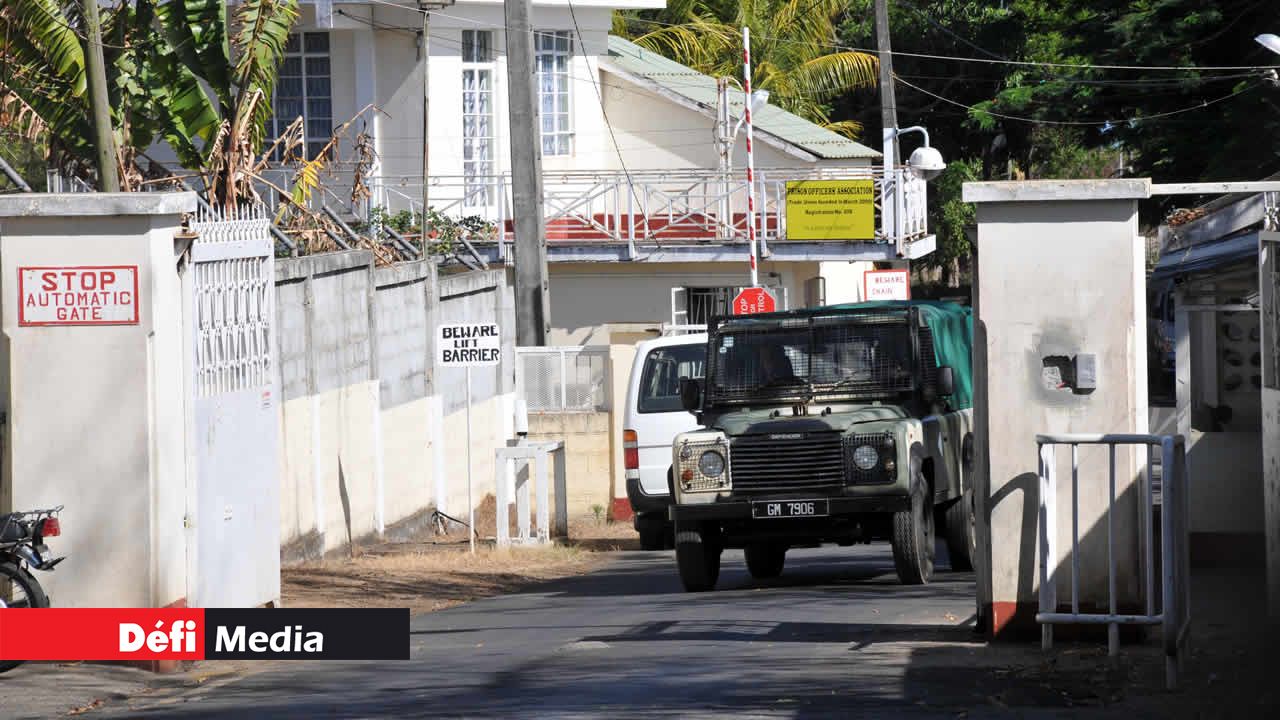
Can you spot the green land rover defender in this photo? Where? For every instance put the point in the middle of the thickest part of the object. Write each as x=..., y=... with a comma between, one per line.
x=841, y=424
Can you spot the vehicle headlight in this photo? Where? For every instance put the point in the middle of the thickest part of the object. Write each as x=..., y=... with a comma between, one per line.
x=865, y=457
x=702, y=465
x=711, y=463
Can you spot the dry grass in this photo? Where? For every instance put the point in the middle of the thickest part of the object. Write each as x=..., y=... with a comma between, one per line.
x=427, y=576
x=598, y=536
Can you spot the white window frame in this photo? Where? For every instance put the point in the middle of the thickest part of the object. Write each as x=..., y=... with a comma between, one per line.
x=480, y=194
x=313, y=141
x=556, y=130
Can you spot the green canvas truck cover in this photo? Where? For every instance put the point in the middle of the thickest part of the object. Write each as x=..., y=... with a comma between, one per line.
x=952, y=328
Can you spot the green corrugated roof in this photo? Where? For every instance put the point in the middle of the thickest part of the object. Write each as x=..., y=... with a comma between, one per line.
x=695, y=86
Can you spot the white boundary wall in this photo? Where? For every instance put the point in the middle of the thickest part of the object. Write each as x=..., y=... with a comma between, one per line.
x=370, y=430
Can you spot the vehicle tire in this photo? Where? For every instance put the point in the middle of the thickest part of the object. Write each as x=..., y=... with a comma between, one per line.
x=765, y=560
x=697, y=558
x=913, y=537
x=32, y=595
x=961, y=532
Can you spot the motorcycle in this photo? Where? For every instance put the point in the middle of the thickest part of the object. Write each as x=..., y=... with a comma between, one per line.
x=22, y=549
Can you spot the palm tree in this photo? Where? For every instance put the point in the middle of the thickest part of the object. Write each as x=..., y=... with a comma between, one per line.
x=793, y=52
x=188, y=72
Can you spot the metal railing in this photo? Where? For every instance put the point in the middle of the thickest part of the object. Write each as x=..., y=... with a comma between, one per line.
x=648, y=206
x=1174, y=612
x=570, y=378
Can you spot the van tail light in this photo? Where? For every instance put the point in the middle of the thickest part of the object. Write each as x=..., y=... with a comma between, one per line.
x=630, y=450
x=50, y=527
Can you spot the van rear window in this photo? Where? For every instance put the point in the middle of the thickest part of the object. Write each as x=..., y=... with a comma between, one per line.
x=663, y=370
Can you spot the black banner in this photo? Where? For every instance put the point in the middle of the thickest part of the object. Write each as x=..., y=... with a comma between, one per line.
x=307, y=634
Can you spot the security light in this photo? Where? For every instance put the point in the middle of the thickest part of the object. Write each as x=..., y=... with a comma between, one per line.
x=1270, y=42
x=760, y=98
x=926, y=163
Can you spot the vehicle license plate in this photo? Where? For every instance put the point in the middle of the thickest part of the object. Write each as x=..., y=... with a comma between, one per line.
x=789, y=508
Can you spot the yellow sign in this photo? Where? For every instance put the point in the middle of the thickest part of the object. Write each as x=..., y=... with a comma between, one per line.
x=831, y=210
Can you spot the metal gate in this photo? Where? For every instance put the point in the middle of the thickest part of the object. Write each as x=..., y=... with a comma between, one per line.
x=236, y=498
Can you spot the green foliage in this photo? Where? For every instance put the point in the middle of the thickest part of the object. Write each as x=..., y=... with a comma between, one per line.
x=170, y=75
x=444, y=233
x=26, y=157
x=951, y=214
x=791, y=49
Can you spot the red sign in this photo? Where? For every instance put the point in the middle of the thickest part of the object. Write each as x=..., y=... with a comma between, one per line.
x=85, y=295
x=754, y=300
x=204, y=634
x=886, y=285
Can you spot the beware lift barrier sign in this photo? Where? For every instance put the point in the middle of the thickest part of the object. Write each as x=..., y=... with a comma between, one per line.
x=468, y=345
x=78, y=295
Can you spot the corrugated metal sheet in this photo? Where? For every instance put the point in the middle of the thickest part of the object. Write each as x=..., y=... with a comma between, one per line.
x=695, y=86
x=1208, y=256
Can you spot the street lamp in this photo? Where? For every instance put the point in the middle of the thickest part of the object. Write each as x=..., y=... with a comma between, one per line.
x=924, y=164
x=1270, y=42
x=726, y=139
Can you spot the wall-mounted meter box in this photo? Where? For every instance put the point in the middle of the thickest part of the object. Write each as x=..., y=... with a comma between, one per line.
x=1086, y=372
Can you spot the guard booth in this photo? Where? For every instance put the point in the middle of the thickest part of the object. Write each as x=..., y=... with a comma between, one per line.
x=1060, y=347
x=1217, y=291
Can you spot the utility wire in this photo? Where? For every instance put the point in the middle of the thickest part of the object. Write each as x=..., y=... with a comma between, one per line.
x=1132, y=120
x=1002, y=61
x=604, y=115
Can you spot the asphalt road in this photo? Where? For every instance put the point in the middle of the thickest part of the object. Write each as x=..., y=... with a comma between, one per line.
x=835, y=636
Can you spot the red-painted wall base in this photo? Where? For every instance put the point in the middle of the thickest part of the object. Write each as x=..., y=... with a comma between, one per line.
x=620, y=510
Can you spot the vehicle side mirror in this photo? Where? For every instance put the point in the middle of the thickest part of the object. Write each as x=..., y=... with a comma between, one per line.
x=691, y=394
x=946, y=381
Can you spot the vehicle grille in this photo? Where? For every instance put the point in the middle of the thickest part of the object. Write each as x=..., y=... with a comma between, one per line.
x=800, y=461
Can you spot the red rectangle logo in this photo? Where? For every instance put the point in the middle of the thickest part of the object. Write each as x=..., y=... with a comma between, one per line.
x=78, y=295
x=102, y=634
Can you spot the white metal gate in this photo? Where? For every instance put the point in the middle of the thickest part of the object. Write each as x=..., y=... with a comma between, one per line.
x=237, y=495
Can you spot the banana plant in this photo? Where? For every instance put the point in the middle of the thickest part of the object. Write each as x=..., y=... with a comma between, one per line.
x=192, y=73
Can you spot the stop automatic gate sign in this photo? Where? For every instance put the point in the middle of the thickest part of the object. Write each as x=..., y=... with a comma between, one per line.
x=754, y=300
x=78, y=295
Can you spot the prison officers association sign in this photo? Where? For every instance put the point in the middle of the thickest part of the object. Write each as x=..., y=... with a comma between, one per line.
x=468, y=345
x=831, y=210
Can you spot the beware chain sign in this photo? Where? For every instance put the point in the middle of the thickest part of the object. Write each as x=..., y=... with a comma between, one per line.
x=468, y=345
x=886, y=285
x=78, y=295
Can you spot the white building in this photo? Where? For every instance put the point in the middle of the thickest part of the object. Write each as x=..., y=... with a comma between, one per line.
x=643, y=228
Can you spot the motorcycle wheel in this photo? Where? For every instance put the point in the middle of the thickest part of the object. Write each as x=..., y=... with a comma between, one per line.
x=18, y=589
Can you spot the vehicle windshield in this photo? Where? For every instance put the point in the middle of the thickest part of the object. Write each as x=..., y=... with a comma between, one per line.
x=664, y=368
x=824, y=357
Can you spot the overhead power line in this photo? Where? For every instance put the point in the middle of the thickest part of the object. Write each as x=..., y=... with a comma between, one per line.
x=1003, y=61
x=1103, y=122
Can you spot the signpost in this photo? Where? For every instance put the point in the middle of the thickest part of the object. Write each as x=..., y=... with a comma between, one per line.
x=754, y=300
x=886, y=285
x=469, y=345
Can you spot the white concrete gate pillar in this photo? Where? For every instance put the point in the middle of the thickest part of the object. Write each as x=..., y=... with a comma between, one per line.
x=1060, y=279
x=91, y=384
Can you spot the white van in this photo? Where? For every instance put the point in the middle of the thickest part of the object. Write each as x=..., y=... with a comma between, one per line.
x=654, y=416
